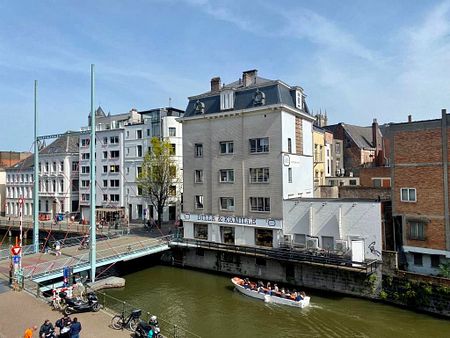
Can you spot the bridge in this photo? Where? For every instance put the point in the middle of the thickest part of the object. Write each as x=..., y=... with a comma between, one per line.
x=41, y=267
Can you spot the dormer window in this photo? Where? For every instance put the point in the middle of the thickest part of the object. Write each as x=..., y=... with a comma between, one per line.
x=300, y=100
x=226, y=100
x=199, y=107
x=259, y=99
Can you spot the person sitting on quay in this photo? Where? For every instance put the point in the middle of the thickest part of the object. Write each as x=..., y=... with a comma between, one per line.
x=46, y=328
x=29, y=332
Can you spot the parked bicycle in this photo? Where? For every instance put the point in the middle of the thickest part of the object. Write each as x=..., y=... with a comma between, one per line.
x=119, y=322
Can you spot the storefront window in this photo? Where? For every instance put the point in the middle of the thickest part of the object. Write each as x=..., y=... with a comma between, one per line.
x=200, y=231
x=264, y=237
x=227, y=235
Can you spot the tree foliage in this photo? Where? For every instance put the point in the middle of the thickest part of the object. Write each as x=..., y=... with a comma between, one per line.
x=158, y=175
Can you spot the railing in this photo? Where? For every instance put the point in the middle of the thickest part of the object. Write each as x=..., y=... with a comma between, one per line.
x=309, y=256
x=118, y=252
x=168, y=329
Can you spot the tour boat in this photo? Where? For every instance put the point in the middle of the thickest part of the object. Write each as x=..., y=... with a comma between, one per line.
x=239, y=284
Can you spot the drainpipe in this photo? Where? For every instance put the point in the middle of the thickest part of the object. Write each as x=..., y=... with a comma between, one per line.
x=340, y=222
x=311, y=219
x=445, y=174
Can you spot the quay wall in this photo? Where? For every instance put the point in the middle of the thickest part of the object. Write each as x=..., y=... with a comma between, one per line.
x=302, y=275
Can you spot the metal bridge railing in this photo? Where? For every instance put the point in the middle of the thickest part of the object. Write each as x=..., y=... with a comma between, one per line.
x=118, y=252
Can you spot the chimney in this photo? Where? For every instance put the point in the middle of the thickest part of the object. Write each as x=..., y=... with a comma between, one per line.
x=249, y=77
x=409, y=118
x=375, y=140
x=215, y=84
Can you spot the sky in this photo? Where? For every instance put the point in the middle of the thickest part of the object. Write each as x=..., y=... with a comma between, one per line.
x=356, y=60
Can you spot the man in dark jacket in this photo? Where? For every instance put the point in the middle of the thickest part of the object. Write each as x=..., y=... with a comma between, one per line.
x=46, y=328
x=75, y=328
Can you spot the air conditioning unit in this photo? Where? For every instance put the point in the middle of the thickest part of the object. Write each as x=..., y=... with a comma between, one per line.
x=312, y=243
x=341, y=245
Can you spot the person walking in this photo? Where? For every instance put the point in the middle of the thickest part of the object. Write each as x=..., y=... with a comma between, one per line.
x=75, y=328
x=29, y=332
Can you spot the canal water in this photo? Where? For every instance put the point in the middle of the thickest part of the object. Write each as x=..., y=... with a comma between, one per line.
x=207, y=305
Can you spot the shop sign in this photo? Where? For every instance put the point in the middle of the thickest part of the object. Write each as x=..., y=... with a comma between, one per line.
x=232, y=220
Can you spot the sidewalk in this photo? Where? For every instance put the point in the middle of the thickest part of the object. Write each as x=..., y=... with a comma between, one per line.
x=20, y=310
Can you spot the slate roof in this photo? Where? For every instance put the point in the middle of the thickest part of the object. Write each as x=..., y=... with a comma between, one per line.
x=275, y=91
x=25, y=164
x=362, y=136
x=64, y=144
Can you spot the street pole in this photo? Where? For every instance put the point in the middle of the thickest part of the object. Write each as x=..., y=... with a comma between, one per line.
x=21, y=230
x=36, y=178
x=92, y=183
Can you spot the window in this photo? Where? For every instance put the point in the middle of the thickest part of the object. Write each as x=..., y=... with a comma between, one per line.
x=114, y=197
x=226, y=203
x=200, y=231
x=138, y=134
x=114, y=154
x=105, y=155
x=85, y=156
x=139, y=171
x=75, y=166
x=173, y=149
x=105, y=169
x=85, y=142
x=61, y=185
x=351, y=182
x=155, y=129
x=259, y=145
x=114, y=139
x=226, y=99
x=61, y=166
x=85, y=197
x=198, y=177
x=114, y=183
x=417, y=259
x=105, y=197
x=259, y=175
x=338, y=148
x=198, y=150
x=198, y=201
x=172, y=131
x=172, y=190
x=290, y=175
x=408, y=194
x=53, y=186
x=289, y=146
x=227, y=235
x=139, y=151
x=105, y=141
x=46, y=168
x=435, y=261
x=85, y=169
x=114, y=168
x=227, y=147
x=148, y=132
x=264, y=237
x=417, y=230
x=376, y=182
x=85, y=183
x=260, y=204
x=226, y=175
x=105, y=183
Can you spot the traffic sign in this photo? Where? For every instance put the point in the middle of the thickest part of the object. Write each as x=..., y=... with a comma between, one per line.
x=16, y=259
x=15, y=250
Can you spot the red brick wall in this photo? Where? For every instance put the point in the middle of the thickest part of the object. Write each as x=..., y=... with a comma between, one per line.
x=434, y=234
x=421, y=146
x=366, y=175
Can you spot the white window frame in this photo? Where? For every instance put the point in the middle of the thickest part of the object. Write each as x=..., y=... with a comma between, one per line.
x=408, y=200
x=259, y=148
x=198, y=181
x=198, y=150
x=172, y=131
x=228, y=178
x=259, y=172
x=265, y=204
x=227, y=147
x=228, y=206
x=199, y=202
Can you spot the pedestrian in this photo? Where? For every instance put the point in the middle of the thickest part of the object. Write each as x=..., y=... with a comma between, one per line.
x=75, y=328
x=29, y=332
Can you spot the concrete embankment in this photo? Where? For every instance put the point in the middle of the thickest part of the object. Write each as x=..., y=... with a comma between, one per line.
x=107, y=283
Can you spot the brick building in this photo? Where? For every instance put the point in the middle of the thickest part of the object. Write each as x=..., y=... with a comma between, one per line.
x=420, y=198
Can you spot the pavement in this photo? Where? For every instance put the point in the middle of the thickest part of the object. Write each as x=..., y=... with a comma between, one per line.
x=20, y=310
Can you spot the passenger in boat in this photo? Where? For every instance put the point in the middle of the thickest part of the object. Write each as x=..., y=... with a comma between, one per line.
x=283, y=293
x=275, y=288
x=246, y=283
x=269, y=285
x=294, y=295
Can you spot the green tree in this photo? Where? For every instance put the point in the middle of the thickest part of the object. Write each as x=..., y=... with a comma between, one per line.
x=158, y=175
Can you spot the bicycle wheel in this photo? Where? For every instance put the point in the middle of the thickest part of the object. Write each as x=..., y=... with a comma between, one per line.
x=117, y=322
x=133, y=324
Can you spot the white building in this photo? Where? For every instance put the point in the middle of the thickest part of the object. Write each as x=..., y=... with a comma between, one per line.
x=247, y=146
x=161, y=123
x=58, y=180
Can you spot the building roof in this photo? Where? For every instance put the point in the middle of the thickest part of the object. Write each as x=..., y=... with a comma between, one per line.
x=63, y=145
x=362, y=136
x=25, y=164
x=274, y=91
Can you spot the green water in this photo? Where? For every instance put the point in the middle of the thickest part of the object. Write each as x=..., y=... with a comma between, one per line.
x=207, y=305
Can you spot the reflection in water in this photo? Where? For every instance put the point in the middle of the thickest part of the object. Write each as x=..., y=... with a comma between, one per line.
x=208, y=305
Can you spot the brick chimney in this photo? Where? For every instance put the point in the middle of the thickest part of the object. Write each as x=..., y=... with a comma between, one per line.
x=375, y=141
x=409, y=118
x=249, y=77
x=215, y=84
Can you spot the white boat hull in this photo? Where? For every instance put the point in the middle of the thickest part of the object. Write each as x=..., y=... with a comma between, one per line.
x=270, y=299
